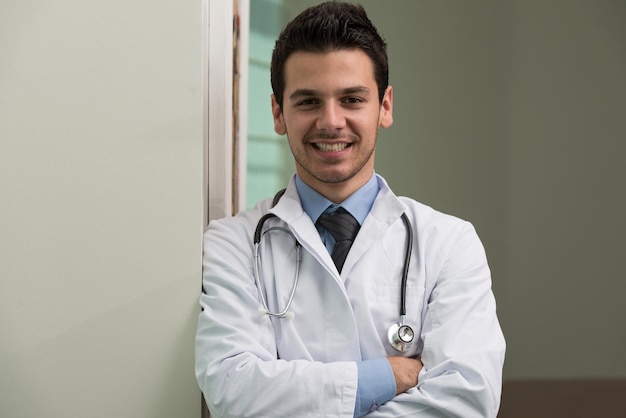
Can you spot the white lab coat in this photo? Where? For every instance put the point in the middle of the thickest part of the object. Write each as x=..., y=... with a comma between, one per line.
x=251, y=365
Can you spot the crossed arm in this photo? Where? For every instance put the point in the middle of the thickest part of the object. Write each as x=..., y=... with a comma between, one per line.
x=406, y=371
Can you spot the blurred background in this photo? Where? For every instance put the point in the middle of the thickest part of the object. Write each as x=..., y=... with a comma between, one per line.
x=511, y=115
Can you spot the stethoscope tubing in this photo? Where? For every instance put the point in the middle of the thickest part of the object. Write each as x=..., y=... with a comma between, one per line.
x=400, y=335
x=407, y=263
x=258, y=233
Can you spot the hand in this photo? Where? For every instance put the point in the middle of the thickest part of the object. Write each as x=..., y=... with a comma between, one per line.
x=406, y=371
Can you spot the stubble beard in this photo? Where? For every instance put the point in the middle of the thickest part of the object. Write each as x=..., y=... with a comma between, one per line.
x=330, y=177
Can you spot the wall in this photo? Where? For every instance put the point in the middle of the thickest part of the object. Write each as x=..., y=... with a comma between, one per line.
x=512, y=115
x=566, y=229
x=101, y=207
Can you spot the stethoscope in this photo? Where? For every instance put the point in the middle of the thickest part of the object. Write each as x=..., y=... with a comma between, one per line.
x=400, y=335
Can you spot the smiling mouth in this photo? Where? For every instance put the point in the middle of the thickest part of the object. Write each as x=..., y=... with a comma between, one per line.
x=336, y=147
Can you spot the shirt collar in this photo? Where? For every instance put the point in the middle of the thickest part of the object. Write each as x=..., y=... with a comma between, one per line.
x=358, y=204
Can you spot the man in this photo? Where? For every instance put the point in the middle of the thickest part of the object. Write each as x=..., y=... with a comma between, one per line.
x=330, y=352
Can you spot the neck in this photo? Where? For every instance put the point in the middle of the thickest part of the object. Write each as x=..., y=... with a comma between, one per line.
x=337, y=192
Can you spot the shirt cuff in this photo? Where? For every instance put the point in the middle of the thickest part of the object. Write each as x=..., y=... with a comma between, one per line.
x=376, y=385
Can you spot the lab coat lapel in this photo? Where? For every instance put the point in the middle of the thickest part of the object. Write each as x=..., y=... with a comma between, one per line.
x=340, y=336
x=387, y=209
x=289, y=209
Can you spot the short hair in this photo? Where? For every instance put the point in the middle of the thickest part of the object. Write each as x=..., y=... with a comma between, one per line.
x=330, y=27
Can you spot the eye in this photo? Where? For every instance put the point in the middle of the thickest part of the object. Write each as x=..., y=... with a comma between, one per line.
x=307, y=102
x=353, y=100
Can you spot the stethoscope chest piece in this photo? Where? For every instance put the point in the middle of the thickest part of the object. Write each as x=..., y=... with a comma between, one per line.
x=400, y=336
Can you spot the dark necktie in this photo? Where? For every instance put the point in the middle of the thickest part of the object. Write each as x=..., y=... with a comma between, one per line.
x=343, y=227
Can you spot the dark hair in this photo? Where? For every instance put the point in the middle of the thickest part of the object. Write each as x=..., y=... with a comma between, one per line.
x=329, y=27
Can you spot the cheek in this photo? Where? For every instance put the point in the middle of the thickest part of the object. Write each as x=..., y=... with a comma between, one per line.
x=368, y=125
x=298, y=126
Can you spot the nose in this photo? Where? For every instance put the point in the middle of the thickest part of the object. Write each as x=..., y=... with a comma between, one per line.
x=331, y=118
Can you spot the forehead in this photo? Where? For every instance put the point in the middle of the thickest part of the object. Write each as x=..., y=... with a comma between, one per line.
x=335, y=69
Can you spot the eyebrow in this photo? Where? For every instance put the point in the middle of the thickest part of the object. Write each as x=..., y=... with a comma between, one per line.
x=310, y=92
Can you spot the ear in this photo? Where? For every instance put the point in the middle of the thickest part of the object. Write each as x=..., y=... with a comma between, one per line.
x=385, y=119
x=279, y=120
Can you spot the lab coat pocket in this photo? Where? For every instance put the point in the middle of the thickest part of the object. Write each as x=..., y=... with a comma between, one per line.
x=385, y=304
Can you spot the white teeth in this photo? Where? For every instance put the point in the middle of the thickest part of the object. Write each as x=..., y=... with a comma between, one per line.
x=331, y=147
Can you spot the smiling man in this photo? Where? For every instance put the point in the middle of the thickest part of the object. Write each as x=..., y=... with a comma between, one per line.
x=331, y=117
x=339, y=298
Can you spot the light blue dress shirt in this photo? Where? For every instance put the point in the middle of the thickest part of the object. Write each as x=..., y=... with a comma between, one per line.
x=376, y=383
